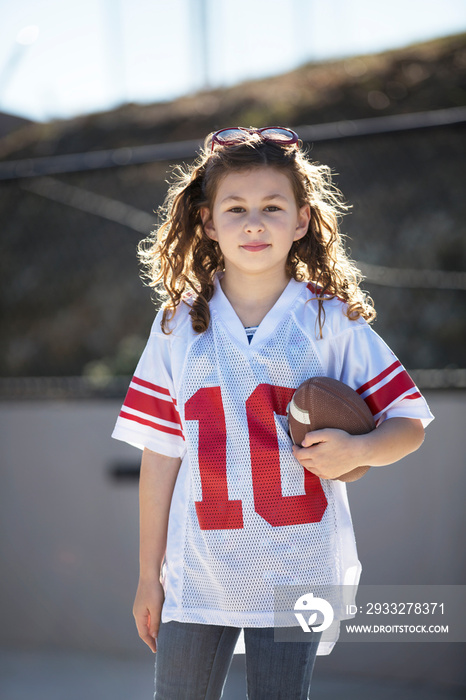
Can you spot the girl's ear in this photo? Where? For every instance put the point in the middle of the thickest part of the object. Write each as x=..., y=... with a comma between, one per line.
x=208, y=224
x=304, y=217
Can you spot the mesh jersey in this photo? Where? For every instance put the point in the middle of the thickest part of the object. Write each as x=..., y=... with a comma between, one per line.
x=245, y=516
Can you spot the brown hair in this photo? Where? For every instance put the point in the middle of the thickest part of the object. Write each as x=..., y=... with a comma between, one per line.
x=180, y=260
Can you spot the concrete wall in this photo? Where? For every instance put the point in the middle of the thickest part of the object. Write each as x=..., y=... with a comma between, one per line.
x=70, y=533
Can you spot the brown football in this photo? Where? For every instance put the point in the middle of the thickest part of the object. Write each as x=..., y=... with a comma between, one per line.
x=322, y=402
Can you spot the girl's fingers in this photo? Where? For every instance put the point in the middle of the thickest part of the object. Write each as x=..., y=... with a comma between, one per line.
x=154, y=630
x=145, y=633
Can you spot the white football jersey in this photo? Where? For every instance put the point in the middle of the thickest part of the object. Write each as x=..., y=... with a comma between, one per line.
x=245, y=515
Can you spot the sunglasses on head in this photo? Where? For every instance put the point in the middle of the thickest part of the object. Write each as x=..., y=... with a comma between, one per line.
x=236, y=134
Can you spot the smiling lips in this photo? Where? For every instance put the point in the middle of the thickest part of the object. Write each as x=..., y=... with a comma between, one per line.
x=255, y=247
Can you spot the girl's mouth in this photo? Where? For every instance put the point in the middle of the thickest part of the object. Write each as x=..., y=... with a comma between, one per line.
x=255, y=247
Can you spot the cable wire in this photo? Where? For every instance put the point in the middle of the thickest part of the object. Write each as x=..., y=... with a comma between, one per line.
x=137, y=155
x=141, y=222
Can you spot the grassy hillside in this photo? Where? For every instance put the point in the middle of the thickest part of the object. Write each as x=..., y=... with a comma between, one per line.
x=71, y=295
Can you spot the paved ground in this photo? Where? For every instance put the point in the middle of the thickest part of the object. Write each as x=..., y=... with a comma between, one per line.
x=72, y=676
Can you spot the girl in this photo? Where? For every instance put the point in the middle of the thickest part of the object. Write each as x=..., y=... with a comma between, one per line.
x=260, y=295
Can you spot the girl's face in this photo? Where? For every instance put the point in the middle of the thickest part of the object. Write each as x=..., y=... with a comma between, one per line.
x=255, y=220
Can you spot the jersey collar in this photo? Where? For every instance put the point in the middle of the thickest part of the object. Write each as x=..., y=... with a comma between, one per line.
x=225, y=313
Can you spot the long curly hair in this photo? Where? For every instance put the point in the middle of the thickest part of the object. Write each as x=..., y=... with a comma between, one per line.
x=180, y=261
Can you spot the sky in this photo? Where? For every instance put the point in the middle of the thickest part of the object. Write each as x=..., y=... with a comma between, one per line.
x=63, y=58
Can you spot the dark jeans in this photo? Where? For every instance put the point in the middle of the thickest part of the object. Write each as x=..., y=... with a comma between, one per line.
x=192, y=662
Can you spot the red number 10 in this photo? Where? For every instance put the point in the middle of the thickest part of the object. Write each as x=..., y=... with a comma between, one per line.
x=216, y=511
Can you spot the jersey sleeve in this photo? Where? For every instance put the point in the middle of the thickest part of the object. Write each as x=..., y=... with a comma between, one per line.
x=370, y=367
x=149, y=416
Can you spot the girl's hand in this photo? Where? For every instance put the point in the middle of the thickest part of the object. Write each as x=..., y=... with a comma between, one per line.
x=147, y=610
x=329, y=453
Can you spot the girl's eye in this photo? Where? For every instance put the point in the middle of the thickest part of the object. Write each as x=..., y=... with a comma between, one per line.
x=240, y=210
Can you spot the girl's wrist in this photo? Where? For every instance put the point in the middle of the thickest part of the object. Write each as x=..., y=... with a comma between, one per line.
x=389, y=442
x=149, y=573
x=362, y=449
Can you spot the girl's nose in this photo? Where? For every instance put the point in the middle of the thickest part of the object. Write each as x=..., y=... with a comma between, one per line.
x=254, y=223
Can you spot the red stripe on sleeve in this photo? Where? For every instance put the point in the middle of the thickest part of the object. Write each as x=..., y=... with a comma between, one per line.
x=313, y=288
x=317, y=291
x=148, y=385
x=378, y=378
x=387, y=394
x=152, y=405
x=150, y=424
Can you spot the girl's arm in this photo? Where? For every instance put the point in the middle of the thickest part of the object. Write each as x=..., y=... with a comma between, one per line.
x=330, y=453
x=156, y=484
